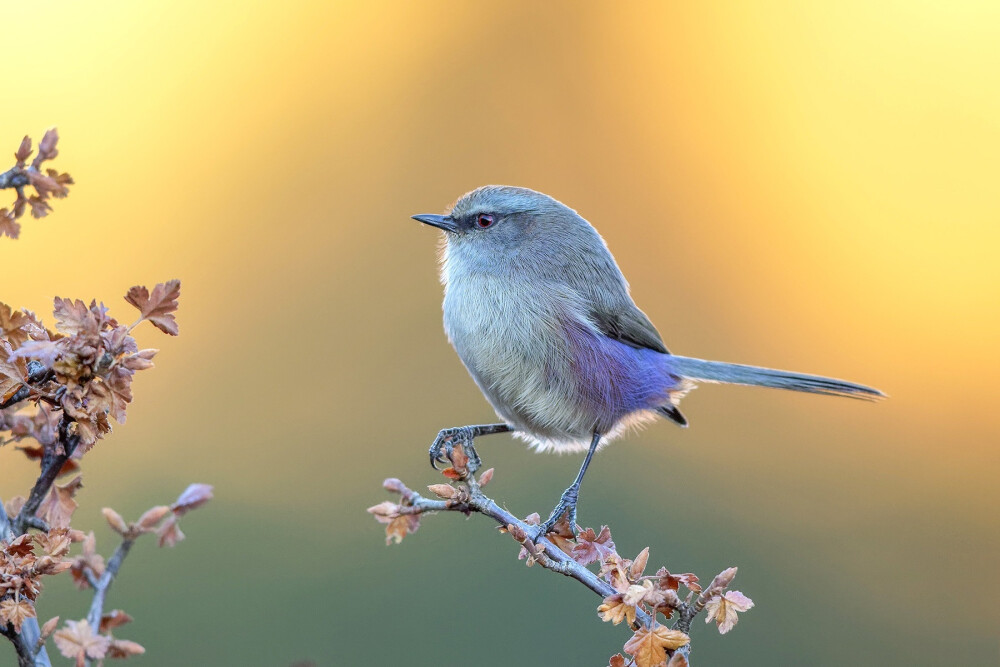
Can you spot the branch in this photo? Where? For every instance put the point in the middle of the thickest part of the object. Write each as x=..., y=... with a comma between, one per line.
x=628, y=594
x=540, y=548
x=53, y=458
x=37, y=374
x=102, y=584
x=27, y=640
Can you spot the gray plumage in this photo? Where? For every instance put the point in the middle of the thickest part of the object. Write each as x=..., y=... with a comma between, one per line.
x=541, y=316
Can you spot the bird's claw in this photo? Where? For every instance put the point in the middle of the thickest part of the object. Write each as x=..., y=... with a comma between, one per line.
x=444, y=446
x=566, y=506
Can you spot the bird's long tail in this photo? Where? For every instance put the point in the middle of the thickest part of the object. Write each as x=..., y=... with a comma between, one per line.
x=719, y=371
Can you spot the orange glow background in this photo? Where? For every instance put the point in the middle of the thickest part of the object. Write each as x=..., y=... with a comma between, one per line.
x=810, y=186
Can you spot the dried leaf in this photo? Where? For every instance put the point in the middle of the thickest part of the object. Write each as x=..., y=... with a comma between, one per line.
x=23, y=151
x=193, y=497
x=8, y=224
x=678, y=660
x=591, y=548
x=617, y=660
x=649, y=647
x=123, y=648
x=89, y=559
x=639, y=564
x=159, y=306
x=400, y=527
x=58, y=507
x=459, y=459
x=77, y=641
x=615, y=570
x=16, y=611
x=169, y=533
x=113, y=619
x=615, y=609
x=723, y=609
x=672, y=582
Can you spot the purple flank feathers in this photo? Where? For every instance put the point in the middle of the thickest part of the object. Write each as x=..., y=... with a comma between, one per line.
x=614, y=379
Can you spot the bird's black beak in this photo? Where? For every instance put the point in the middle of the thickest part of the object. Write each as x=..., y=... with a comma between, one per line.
x=444, y=222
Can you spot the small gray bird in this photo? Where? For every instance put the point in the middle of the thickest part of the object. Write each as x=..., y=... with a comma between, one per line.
x=541, y=316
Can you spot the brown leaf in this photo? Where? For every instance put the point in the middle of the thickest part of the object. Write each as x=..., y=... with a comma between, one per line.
x=615, y=570
x=15, y=612
x=400, y=527
x=123, y=648
x=12, y=323
x=649, y=647
x=615, y=609
x=460, y=460
x=617, y=660
x=8, y=224
x=159, y=306
x=193, y=497
x=77, y=641
x=673, y=581
x=113, y=619
x=20, y=546
x=58, y=507
x=723, y=609
x=23, y=151
x=169, y=533
x=591, y=548
x=89, y=559
x=56, y=542
x=678, y=660
x=639, y=564
x=451, y=473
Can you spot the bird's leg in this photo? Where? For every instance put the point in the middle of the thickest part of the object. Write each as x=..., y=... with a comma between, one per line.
x=567, y=503
x=444, y=443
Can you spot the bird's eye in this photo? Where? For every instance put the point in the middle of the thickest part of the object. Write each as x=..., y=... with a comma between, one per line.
x=484, y=220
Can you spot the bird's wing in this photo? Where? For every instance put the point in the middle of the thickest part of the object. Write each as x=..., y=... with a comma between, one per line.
x=628, y=324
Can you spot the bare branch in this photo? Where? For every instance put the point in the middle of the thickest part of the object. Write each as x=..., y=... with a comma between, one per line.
x=53, y=459
x=544, y=552
x=102, y=584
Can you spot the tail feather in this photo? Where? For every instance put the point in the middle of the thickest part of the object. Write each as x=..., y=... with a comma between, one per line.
x=719, y=371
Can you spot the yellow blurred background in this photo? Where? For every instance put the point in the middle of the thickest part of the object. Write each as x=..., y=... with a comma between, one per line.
x=810, y=186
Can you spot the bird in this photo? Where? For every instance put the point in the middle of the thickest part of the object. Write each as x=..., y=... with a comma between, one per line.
x=542, y=318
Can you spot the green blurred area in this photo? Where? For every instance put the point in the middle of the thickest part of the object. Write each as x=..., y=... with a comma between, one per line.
x=802, y=186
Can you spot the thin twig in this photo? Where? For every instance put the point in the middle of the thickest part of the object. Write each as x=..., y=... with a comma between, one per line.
x=102, y=584
x=52, y=463
x=545, y=553
x=105, y=580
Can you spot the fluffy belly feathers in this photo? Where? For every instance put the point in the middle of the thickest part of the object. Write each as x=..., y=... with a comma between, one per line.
x=549, y=374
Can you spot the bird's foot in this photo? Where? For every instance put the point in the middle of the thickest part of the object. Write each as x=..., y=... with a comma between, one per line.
x=567, y=508
x=443, y=449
